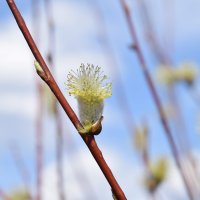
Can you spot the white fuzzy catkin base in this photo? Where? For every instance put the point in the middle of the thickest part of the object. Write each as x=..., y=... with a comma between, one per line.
x=90, y=112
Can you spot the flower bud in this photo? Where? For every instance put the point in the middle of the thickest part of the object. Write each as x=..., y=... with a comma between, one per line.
x=87, y=86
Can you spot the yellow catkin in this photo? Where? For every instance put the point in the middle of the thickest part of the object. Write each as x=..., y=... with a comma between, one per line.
x=87, y=85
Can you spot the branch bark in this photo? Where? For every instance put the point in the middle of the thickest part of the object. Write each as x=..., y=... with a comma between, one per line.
x=163, y=120
x=48, y=78
x=164, y=56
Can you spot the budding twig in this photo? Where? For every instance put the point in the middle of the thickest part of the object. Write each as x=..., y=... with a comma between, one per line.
x=57, y=116
x=164, y=58
x=88, y=139
x=154, y=93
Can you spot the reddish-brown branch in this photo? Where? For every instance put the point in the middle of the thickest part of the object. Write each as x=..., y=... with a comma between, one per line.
x=154, y=93
x=164, y=57
x=39, y=112
x=48, y=78
x=150, y=34
x=121, y=95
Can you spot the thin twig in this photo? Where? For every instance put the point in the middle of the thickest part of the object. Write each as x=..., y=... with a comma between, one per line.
x=164, y=57
x=39, y=144
x=81, y=178
x=4, y=196
x=46, y=75
x=154, y=94
x=122, y=100
x=39, y=112
x=150, y=33
x=59, y=154
x=58, y=119
x=21, y=167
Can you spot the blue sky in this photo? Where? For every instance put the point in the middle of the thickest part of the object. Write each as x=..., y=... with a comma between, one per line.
x=77, y=35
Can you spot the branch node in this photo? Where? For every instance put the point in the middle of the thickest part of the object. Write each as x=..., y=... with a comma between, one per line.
x=114, y=195
x=126, y=8
x=94, y=129
x=97, y=127
x=133, y=47
x=40, y=71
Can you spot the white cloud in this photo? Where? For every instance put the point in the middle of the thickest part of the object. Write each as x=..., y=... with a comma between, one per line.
x=84, y=163
x=82, y=22
x=21, y=104
x=185, y=24
x=129, y=176
x=15, y=59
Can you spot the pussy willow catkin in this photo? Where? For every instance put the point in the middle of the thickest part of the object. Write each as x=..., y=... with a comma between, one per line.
x=88, y=86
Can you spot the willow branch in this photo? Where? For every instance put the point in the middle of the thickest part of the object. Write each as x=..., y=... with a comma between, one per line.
x=164, y=58
x=46, y=75
x=107, y=49
x=58, y=120
x=154, y=93
x=39, y=111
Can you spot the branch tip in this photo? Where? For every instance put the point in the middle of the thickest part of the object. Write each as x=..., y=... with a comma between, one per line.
x=44, y=72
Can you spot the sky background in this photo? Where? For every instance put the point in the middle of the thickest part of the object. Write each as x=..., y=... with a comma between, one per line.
x=79, y=40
